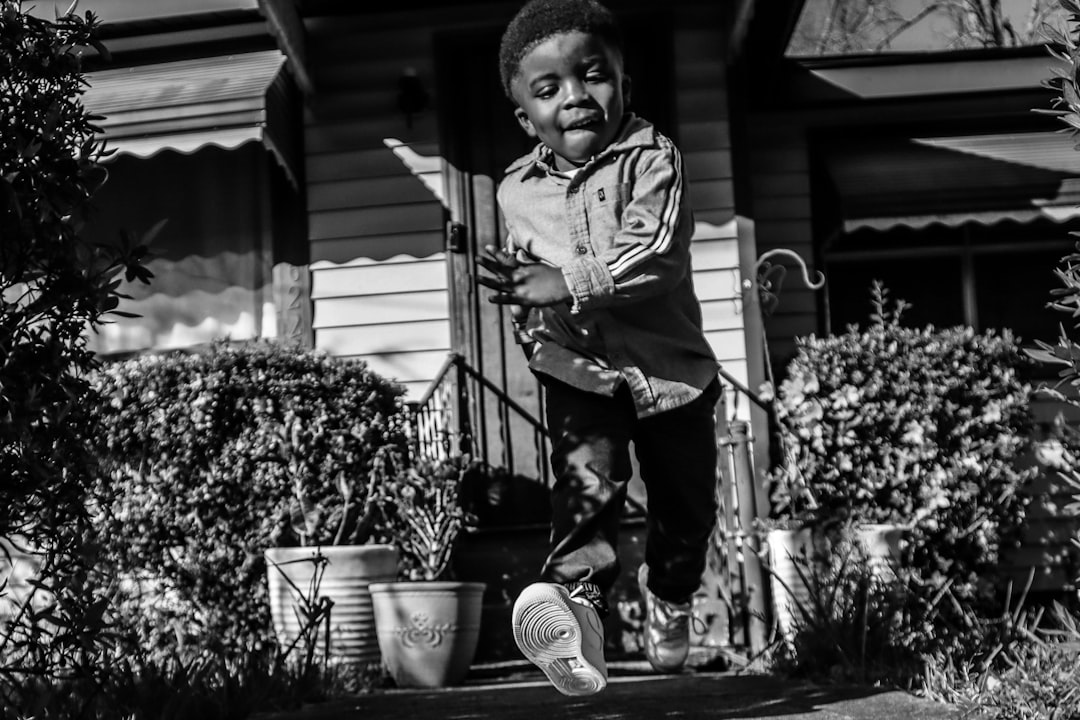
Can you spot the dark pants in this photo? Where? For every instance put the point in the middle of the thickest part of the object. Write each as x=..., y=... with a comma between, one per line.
x=590, y=456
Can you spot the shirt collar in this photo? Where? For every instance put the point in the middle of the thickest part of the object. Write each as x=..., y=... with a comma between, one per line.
x=634, y=132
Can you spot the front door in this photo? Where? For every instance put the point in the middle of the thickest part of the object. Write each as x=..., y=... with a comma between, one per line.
x=480, y=138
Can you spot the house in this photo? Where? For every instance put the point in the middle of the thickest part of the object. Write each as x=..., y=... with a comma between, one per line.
x=325, y=172
x=934, y=173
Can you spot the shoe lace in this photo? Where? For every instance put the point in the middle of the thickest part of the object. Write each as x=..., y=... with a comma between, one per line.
x=669, y=619
x=672, y=620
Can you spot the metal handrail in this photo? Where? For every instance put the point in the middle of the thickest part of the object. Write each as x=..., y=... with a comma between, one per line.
x=502, y=396
x=452, y=360
x=447, y=420
x=735, y=383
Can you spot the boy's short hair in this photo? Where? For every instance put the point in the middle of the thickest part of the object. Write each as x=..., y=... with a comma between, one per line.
x=538, y=20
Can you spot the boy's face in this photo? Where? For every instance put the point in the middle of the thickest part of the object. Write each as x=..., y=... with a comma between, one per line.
x=571, y=94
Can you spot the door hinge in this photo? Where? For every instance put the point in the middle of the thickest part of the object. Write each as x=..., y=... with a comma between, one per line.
x=457, y=237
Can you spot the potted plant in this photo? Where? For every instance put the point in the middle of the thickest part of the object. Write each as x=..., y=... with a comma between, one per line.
x=319, y=573
x=789, y=548
x=920, y=430
x=190, y=494
x=427, y=623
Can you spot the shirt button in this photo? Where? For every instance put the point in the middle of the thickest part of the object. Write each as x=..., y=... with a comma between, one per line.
x=581, y=249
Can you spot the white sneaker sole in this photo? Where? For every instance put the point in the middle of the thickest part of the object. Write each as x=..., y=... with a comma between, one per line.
x=547, y=632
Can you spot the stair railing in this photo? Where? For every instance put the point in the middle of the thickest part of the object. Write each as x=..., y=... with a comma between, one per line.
x=449, y=420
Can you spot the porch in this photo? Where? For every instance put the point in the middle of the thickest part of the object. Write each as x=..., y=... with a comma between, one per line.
x=464, y=412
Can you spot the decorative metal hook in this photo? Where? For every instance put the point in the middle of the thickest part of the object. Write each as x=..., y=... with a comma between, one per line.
x=813, y=285
x=771, y=276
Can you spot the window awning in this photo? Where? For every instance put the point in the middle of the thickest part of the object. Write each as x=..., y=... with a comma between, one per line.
x=225, y=100
x=883, y=183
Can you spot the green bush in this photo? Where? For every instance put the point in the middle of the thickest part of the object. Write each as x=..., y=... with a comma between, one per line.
x=921, y=427
x=205, y=453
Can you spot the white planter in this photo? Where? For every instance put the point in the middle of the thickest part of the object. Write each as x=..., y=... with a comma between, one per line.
x=428, y=630
x=790, y=554
x=349, y=572
x=883, y=544
x=792, y=559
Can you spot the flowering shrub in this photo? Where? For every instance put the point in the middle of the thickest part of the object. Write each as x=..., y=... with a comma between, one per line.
x=921, y=427
x=205, y=452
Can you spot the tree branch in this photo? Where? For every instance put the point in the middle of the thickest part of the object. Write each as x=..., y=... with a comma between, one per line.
x=887, y=40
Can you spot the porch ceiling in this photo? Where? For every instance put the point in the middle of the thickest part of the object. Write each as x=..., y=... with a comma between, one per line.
x=883, y=183
x=186, y=105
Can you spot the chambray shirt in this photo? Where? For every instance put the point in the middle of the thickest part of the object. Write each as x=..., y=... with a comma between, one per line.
x=619, y=229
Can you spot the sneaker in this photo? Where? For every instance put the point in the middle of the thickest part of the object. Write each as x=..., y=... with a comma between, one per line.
x=667, y=628
x=562, y=637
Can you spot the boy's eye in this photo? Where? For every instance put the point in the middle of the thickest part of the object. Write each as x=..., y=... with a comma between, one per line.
x=544, y=91
x=596, y=77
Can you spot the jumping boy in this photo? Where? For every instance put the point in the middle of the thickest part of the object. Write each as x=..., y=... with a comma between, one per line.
x=597, y=273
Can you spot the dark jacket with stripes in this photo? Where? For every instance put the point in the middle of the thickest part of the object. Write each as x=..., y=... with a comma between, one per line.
x=620, y=230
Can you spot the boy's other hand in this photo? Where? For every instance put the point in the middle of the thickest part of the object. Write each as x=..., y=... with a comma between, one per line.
x=497, y=261
x=518, y=283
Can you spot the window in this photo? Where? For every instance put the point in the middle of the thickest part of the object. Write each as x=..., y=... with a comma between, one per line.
x=986, y=277
x=853, y=27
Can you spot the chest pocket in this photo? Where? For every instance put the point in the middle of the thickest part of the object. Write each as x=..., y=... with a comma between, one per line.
x=605, y=207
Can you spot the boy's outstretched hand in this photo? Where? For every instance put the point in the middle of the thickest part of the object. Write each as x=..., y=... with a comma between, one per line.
x=521, y=283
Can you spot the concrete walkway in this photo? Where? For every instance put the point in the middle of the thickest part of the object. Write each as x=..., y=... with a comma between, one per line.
x=632, y=693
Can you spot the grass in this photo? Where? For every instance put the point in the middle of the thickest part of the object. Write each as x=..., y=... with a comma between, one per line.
x=204, y=686
x=1037, y=677
x=849, y=627
x=855, y=627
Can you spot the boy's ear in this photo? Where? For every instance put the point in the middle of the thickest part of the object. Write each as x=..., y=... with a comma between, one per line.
x=525, y=122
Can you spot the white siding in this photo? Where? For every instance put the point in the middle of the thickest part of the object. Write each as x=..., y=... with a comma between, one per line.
x=379, y=284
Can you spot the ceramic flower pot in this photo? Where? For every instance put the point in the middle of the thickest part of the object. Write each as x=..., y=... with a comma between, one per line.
x=790, y=554
x=427, y=630
x=349, y=572
x=883, y=544
x=794, y=555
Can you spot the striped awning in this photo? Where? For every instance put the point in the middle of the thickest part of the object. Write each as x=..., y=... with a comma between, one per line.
x=224, y=100
x=882, y=183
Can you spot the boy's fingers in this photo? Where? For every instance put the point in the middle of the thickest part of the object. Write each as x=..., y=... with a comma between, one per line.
x=490, y=264
x=492, y=257
x=493, y=283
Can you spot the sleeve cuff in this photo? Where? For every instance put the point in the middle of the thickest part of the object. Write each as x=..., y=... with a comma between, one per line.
x=589, y=281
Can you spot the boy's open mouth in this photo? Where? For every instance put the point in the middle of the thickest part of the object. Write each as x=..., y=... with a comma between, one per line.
x=583, y=124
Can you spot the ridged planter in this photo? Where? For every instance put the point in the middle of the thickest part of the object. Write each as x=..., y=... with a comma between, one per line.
x=427, y=630
x=790, y=554
x=791, y=562
x=349, y=573
x=883, y=544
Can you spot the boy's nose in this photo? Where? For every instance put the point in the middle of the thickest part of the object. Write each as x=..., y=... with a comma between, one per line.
x=575, y=92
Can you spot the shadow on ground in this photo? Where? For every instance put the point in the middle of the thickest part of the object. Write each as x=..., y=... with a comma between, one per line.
x=716, y=696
